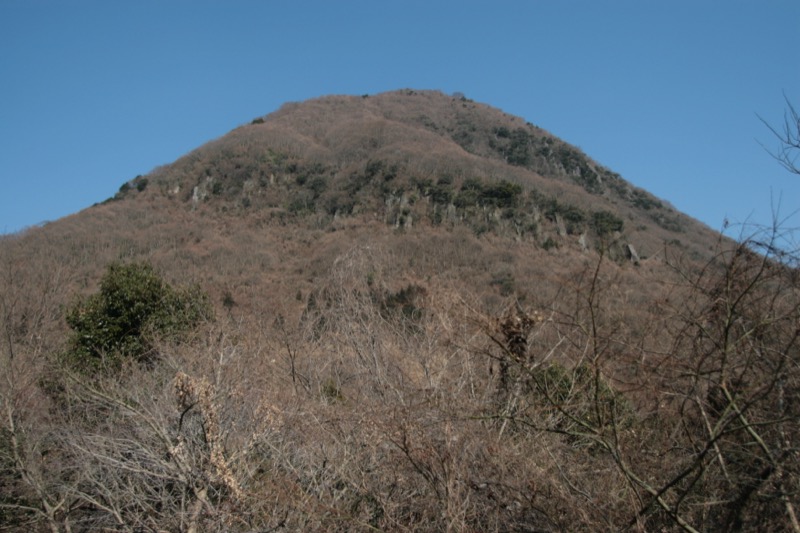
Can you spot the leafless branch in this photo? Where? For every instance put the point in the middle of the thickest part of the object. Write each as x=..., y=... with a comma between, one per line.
x=788, y=136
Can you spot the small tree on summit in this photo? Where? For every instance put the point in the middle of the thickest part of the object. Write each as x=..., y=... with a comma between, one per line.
x=133, y=307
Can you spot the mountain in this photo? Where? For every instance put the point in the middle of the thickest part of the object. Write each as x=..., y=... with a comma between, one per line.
x=429, y=315
x=340, y=156
x=418, y=167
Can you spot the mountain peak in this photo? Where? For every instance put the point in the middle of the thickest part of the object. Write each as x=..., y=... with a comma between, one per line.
x=423, y=158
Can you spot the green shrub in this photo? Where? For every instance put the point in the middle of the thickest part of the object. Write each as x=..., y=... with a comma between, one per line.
x=549, y=244
x=404, y=303
x=573, y=216
x=374, y=167
x=424, y=185
x=502, y=132
x=474, y=192
x=441, y=193
x=300, y=204
x=606, y=223
x=133, y=308
x=505, y=283
x=519, y=151
x=644, y=200
x=501, y=194
x=470, y=193
x=317, y=185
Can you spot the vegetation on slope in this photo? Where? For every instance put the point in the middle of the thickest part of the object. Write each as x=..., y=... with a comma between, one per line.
x=362, y=374
x=398, y=404
x=133, y=306
x=413, y=157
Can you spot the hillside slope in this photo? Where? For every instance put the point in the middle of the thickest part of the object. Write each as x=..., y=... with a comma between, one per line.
x=429, y=315
x=447, y=185
x=423, y=154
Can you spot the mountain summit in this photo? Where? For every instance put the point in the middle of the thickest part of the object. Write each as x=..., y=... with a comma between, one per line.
x=420, y=157
x=282, y=196
x=397, y=312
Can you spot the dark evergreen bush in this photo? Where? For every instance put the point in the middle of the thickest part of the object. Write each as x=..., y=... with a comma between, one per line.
x=134, y=306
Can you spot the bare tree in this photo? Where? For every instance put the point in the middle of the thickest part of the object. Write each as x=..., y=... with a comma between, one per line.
x=36, y=474
x=720, y=453
x=788, y=135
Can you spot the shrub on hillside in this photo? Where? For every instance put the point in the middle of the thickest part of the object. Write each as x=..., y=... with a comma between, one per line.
x=605, y=223
x=133, y=307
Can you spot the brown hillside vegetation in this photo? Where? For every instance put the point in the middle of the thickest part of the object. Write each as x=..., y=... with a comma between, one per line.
x=428, y=315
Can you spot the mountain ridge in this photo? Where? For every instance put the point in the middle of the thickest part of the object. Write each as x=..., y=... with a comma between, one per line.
x=420, y=135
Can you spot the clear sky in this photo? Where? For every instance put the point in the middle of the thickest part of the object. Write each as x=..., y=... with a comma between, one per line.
x=668, y=94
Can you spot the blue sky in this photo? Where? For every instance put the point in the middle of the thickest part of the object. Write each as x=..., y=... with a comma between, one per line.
x=667, y=94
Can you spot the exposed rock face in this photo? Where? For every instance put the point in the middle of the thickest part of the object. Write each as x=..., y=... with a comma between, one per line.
x=630, y=251
x=583, y=241
x=562, y=228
